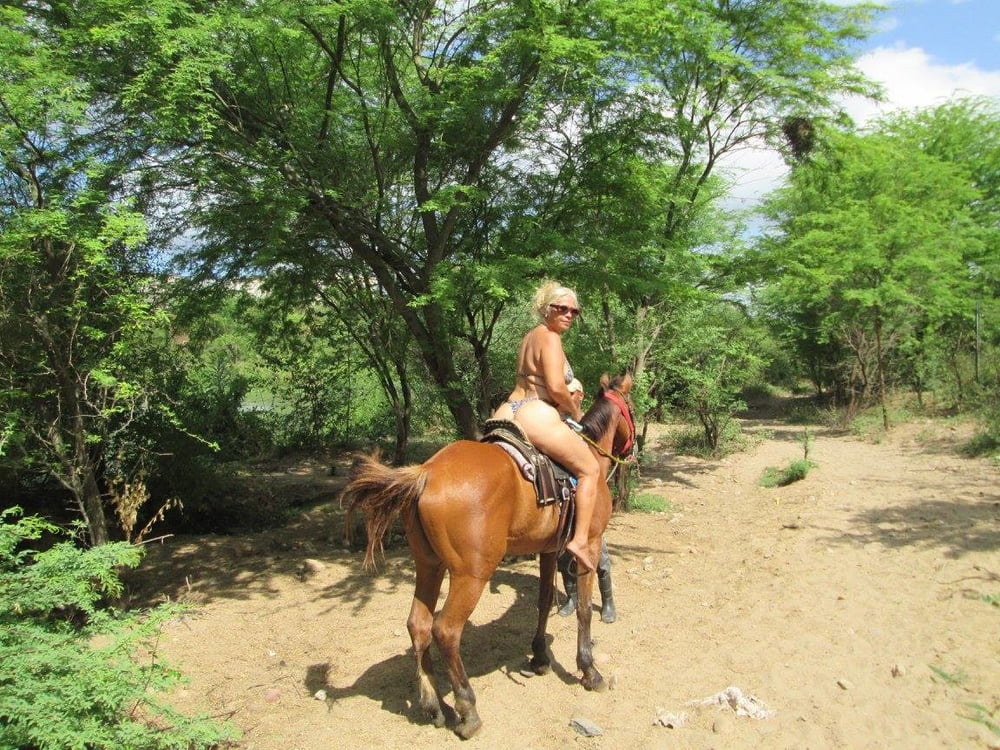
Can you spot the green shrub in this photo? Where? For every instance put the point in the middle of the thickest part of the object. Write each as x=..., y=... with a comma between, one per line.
x=794, y=472
x=646, y=503
x=982, y=444
x=70, y=675
x=691, y=441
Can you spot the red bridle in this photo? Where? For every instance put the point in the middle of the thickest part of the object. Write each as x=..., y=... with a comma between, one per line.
x=620, y=402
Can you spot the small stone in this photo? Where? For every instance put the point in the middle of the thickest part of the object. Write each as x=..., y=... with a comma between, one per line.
x=844, y=684
x=313, y=566
x=585, y=727
x=272, y=695
x=898, y=670
x=320, y=695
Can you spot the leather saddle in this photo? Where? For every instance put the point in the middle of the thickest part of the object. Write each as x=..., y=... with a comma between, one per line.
x=553, y=483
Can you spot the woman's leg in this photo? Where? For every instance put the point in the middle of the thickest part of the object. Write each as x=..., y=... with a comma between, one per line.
x=542, y=425
x=586, y=497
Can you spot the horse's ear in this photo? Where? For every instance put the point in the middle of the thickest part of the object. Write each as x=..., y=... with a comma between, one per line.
x=605, y=381
x=627, y=383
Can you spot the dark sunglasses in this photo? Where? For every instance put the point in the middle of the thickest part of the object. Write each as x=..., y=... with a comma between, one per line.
x=563, y=309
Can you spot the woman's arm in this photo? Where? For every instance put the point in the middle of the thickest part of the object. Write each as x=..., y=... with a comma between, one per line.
x=553, y=374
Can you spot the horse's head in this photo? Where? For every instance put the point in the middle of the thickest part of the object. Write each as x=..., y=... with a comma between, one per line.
x=613, y=404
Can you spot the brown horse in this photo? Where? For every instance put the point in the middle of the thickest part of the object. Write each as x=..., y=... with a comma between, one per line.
x=464, y=509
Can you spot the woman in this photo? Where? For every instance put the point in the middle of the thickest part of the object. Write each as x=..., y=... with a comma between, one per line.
x=541, y=400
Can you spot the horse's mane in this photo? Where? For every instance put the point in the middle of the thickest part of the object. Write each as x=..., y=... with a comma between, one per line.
x=595, y=422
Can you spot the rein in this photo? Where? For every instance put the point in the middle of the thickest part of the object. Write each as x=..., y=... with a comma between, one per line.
x=618, y=401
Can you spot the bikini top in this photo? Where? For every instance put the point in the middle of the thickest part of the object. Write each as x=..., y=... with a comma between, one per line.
x=535, y=380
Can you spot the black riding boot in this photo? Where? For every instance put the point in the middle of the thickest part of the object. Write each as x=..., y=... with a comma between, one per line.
x=608, y=611
x=569, y=583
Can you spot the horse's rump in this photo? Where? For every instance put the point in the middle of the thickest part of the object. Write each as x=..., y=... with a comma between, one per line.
x=477, y=491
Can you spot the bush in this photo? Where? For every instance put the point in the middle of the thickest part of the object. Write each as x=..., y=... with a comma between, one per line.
x=986, y=441
x=69, y=670
x=691, y=441
x=646, y=503
x=794, y=472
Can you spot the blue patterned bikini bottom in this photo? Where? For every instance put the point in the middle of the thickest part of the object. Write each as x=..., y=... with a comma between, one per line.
x=515, y=405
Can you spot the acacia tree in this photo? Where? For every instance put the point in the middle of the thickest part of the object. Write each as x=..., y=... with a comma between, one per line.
x=721, y=76
x=362, y=130
x=397, y=135
x=966, y=134
x=870, y=248
x=76, y=360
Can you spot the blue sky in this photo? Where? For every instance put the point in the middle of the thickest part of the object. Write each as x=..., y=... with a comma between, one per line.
x=953, y=32
x=924, y=53
x=928, y=51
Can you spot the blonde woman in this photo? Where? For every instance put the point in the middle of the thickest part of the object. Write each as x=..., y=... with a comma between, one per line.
x=541, y=400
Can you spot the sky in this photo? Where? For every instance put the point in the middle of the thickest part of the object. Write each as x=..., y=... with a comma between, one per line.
x=924, y=53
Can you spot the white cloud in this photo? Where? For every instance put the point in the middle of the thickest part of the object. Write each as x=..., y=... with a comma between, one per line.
x=911, y=80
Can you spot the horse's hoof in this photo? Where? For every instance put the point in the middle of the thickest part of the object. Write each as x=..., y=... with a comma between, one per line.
x=467, y=728
x=541, y=666
x=433, y=714
x=594, y=683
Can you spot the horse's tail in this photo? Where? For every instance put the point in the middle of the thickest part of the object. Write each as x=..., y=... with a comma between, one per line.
x=381, y=492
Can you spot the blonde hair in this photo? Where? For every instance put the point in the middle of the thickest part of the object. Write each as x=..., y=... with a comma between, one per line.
x=547, y=294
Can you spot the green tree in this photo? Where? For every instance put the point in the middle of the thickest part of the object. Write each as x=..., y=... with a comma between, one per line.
x=397, y=142
x=966, y=133
x=714, y=353
x=870, y=250
x=77, y=363
x=381, y=164
x=719, y=77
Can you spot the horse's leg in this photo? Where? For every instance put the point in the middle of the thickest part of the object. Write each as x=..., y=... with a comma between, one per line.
x=420, y=622
x=540, y=661
x=463, y=595
x=591, y=679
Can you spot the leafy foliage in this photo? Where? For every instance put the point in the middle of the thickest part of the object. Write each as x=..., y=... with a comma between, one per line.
x=714, y=354
x=648, y=503
x=794, y=472
x=75, y=673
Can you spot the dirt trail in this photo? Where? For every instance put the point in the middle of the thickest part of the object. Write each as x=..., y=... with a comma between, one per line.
x=849, y=605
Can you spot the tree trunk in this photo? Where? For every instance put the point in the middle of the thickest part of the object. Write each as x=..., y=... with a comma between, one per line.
x=92, y=507
x=881, y=371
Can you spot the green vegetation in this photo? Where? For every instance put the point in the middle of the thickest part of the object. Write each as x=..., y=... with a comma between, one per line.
x=74, y=671
x=209, y=258
x=794, y=472
x=982, y=715
x=648, y=503
x=951, y=678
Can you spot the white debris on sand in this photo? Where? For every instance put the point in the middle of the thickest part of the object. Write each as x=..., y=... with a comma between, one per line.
x=671, y=721
x=740, y=702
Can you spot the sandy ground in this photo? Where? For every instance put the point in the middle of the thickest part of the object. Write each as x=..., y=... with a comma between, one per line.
x=849, y=610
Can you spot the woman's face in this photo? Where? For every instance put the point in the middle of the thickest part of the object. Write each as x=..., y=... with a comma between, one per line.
x=561, y=313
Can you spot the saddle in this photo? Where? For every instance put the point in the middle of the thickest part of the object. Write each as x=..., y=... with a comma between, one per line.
x=553, y=483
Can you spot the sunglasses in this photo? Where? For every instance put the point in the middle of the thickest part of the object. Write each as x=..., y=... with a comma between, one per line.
x=563, y=310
